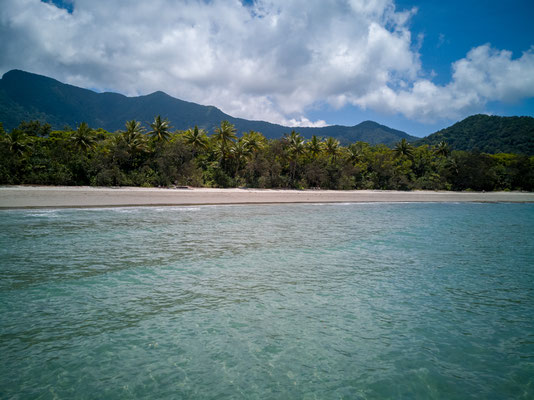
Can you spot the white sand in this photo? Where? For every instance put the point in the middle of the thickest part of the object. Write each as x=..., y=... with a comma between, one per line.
x=64, y=196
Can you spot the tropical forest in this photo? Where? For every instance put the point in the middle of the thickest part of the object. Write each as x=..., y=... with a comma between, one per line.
x=159, y=156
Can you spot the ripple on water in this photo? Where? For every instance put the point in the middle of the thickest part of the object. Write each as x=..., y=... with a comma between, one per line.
x=288, y=301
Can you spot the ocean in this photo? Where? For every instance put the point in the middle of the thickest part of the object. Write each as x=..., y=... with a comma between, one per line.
x=316, y=301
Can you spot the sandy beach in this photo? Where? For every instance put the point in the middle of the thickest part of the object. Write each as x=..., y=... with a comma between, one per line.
x=51, y=197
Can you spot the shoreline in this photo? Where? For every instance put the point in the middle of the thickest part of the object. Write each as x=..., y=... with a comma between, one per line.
x=21, y=197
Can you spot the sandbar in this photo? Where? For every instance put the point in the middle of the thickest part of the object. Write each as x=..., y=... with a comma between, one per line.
x=85, y=196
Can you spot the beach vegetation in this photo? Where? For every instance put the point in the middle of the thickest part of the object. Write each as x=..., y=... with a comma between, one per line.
x=159, y=129
x=83, y=138
x=32, y=153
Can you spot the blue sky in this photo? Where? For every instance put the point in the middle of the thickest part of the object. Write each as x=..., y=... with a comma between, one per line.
x=449, y=30
x=417, y=66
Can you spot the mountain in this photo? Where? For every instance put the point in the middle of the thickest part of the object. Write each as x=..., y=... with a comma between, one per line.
x=367, y=131
x=487, y=134
x=25, y=96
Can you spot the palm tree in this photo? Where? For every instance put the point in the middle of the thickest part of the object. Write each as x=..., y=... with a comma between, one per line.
x=442, y=149
x=83, y=138
x=403, y=148
x=133, y=128
x=133, y=136
x=331, y=147
x=355, y=152
x=239, y=150
x=160, y=129
x=254, y=141
x=196, y=138
x=292, y=137
x=296, y=148
x=315, y=146
x=224, y=135
x=295, y=143
x=16, y=142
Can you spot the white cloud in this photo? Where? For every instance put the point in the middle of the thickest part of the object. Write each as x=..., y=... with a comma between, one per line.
x=273, y=60
x=484, y=75
x=303, y=121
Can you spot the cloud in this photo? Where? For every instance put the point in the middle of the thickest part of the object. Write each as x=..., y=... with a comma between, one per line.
x=303, y=121
x=484, y=75
x=270, y=60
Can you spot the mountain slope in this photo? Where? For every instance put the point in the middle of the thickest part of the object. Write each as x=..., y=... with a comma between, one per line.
x=488, y=134
x=367, y=131
x=59, y=104
x=26, y=96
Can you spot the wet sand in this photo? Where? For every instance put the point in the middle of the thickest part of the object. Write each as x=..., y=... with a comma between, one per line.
x=82, y=196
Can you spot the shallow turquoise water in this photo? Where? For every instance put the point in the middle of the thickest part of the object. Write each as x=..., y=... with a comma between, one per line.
x=356, y=301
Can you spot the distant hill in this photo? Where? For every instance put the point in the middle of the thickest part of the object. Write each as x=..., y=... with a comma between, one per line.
x=487, y=134
x=367, y=131
x=25, y=96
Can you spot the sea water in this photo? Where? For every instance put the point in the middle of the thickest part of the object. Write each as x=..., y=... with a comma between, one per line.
x=355, y=301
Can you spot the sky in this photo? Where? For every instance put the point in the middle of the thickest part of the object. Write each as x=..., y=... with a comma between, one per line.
x=416, y=66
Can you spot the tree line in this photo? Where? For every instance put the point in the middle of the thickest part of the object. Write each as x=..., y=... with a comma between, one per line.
x=33, y=153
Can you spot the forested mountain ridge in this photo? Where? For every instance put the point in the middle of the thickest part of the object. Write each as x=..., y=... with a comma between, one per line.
x=25, y=96
x=487, y=134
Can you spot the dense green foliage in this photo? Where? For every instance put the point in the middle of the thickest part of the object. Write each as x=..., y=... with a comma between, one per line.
x=25, y=96
x=488, y=134
x=34, y=154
